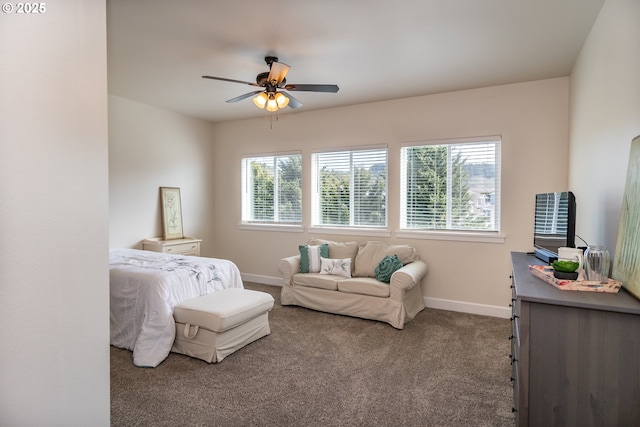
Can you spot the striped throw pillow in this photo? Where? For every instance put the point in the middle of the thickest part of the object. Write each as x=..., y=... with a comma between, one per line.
x=310, y=257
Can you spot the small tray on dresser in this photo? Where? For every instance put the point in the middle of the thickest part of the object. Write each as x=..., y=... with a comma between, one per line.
x=545, y=273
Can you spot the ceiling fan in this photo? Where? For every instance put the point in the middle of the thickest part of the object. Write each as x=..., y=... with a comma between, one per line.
x=274, y=95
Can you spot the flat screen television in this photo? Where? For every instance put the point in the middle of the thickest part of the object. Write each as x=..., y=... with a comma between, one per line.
x=554, y=224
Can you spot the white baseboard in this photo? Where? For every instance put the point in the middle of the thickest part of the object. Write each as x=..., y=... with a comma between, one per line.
x=263, y=280
x=468, y=307
x=437, y=303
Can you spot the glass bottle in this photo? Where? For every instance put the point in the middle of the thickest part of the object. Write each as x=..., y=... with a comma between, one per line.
x=596, y=263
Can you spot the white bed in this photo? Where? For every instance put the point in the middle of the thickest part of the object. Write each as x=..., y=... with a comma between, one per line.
x=145, y=286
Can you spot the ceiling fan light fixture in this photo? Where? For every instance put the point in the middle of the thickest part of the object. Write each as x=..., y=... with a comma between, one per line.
x=260, y=100
x=272, y=104
x=281, y=100
x=268, y=97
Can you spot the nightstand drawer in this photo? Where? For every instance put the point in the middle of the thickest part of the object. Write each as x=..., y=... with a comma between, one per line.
x=182, y=248
x=186, y=246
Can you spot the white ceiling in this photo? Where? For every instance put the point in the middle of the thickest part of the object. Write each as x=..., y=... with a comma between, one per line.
x=372, y=49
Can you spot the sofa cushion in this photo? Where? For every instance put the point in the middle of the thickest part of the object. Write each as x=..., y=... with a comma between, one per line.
x=371, y=253
x=310, y=257
x=337, y=267
x=364, y=286
x=316, y=280
x=339, y=250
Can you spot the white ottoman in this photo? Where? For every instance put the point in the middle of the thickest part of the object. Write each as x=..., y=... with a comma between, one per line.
x=213, y=326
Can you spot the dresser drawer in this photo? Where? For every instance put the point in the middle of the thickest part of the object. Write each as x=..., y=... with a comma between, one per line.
x=515, y=380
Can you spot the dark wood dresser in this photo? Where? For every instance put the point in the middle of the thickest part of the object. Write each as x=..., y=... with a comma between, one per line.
x=575, y=355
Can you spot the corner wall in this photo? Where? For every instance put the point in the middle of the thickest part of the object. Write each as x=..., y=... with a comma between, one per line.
x=151, y=148
x=605, y=117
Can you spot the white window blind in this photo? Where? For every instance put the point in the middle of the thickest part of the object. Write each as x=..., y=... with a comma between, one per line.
x=350, y=188
x=451, y=185
x=272, y=189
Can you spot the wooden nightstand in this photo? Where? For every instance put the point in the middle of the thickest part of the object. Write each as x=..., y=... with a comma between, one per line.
x=185, y=246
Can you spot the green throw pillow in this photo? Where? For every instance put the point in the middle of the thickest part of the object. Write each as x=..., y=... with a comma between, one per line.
x=310, y=257
x=389, y=265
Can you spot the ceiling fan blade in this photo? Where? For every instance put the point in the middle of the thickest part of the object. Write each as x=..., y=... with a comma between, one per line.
x=313, y=88
x=231, y=80
x=293, y=103
x=245, y=96
x=278, y=72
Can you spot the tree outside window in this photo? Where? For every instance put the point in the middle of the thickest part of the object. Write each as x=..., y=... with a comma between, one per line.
x=350, y=188
x=452, y=186
x=272, y=189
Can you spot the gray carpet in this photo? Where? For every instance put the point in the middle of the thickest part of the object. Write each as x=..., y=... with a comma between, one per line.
x=319, y=369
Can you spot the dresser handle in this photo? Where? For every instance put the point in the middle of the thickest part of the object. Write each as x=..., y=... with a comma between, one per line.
x=514, y=410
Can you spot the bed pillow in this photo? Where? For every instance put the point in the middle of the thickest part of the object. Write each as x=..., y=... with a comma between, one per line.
x=310, y=257
x=338, y=267
x=389, y=265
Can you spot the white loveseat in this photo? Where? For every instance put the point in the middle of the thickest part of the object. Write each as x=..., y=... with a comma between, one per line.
x=361, y=295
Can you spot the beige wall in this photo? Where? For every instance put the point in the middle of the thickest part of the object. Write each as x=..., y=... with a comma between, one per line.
x=531, y=117
x=54, y=362
x=151, y=148
x=605, y=117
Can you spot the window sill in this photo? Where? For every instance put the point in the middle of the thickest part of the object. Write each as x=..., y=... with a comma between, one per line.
x=480, y=237
x=287, y=228
x=464, y=236
x=348, y=231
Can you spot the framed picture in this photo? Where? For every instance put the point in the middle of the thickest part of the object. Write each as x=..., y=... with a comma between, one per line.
x=171, y=213
x=626, y=264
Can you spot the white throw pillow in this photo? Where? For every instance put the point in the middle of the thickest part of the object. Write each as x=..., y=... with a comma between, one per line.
x=339, y=250
x=338, y=267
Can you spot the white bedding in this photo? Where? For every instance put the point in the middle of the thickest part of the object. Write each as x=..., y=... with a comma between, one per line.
x=145, y=286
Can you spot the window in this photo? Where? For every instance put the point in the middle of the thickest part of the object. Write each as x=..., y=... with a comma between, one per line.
x=451, y=185
x=272, y=189
x=350, y=188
